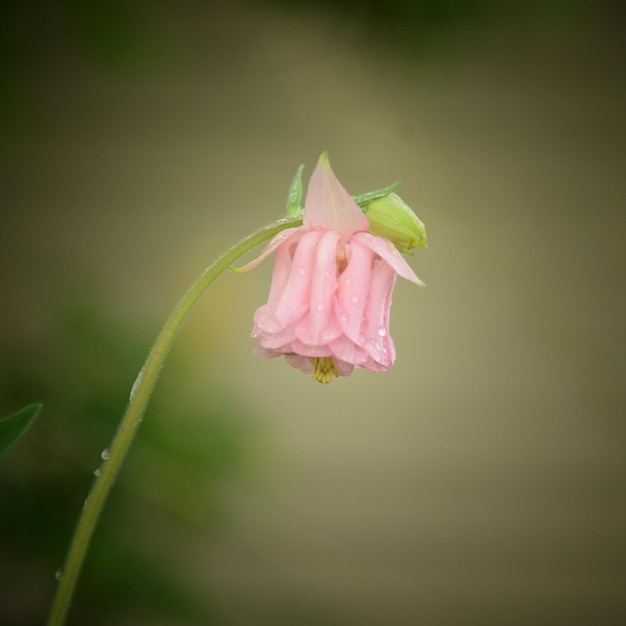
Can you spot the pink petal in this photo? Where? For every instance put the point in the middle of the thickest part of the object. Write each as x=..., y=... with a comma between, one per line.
x=344, y=369
x=280, y=340
x=283, y=262
x=280, y=238
x=310, y=350
x=385, y=249
x=373, y=366
x=294, y=300
x=348, y=351
x=268, y=354
x=378, y=342
x=319, y=326
x=299, y=362
x=353, y=288
x=328, y=205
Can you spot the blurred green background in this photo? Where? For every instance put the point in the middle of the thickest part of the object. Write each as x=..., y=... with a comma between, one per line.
x=483, y=480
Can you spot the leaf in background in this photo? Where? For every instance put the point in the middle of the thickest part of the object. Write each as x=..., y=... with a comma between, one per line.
x=14, y=426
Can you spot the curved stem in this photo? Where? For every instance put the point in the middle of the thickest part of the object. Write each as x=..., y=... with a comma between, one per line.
x=139, y=398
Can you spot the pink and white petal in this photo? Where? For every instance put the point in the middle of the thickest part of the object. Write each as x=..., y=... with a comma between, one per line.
x=328, y=205
x=386, y=250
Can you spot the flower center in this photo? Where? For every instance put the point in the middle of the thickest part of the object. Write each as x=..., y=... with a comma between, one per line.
x=324, y=370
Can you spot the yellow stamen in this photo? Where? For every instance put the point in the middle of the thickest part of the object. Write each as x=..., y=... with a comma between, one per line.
x=325, y=369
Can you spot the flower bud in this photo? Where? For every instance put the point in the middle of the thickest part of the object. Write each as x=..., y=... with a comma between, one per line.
x=392, y=219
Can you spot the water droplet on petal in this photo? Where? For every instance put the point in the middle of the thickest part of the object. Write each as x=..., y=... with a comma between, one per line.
x=355, y=299
x=375, y=349
x=105, y=454
x=320, y=307
x=58, y=575
x=382, y=331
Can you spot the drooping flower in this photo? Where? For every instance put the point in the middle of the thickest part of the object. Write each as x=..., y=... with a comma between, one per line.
x=330, y=298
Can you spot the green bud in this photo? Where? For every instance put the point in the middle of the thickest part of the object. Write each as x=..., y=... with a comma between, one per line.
x=392, y=219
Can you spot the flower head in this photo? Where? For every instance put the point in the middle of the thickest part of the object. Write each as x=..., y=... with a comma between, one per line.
x=330, y=298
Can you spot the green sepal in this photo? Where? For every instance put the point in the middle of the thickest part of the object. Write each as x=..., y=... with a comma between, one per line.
x=391, y=218
x=364, y=199
x=14, y=426
x=294, y=195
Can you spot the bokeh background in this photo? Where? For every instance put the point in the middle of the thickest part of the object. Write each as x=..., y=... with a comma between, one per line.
x=483, y=480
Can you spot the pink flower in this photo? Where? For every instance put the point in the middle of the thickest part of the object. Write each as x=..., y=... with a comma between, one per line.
x=330, y=298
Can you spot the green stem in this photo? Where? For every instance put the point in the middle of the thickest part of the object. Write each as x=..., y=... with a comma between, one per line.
x=140, y=396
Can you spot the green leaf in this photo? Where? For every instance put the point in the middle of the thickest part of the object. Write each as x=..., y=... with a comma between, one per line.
x=14, y=426
x=294, y=195
x=365, y=198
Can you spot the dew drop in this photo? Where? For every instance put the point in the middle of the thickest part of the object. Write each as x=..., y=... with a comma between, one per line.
x=375, y=349
x=105, y=454
x=320, y=307
x=58, y=575
x=355, y=299
x=382, y=331
x=97, y=472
